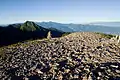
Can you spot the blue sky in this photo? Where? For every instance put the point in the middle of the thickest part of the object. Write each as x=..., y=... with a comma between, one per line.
x=64, y=11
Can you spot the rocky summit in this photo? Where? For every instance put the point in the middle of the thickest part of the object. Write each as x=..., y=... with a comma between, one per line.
x=77, y=56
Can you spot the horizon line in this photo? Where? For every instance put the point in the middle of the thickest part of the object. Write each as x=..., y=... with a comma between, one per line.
x=92, y=22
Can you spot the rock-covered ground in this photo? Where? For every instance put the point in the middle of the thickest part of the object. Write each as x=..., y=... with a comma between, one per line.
x=77, y=56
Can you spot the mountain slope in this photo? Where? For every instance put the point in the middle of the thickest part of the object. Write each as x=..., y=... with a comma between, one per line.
x=20, y=32
x=59, y=26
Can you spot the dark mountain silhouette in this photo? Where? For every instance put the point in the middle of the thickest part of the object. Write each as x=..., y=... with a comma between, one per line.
x=20, y=32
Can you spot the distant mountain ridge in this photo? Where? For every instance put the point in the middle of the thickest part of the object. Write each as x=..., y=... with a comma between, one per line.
x=80, y=27
x=110, y=24
x=105, y=27
x=59, y=26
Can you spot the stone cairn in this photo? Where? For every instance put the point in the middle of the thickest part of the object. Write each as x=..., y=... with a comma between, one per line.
x=116, y=39
x=49, y=35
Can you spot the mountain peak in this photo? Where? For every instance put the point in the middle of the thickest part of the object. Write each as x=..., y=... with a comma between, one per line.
x=29, y=22
x=29, y=26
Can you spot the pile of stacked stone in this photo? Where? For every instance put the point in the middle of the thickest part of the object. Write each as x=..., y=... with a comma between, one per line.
x=77, y=56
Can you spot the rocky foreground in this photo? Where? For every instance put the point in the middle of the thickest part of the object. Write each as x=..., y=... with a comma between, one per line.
x=77, y=56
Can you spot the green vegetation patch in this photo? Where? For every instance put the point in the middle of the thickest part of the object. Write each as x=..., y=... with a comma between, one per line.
x=66, y=33
x=29, y=26
x=109, y=36
x=2, y=54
